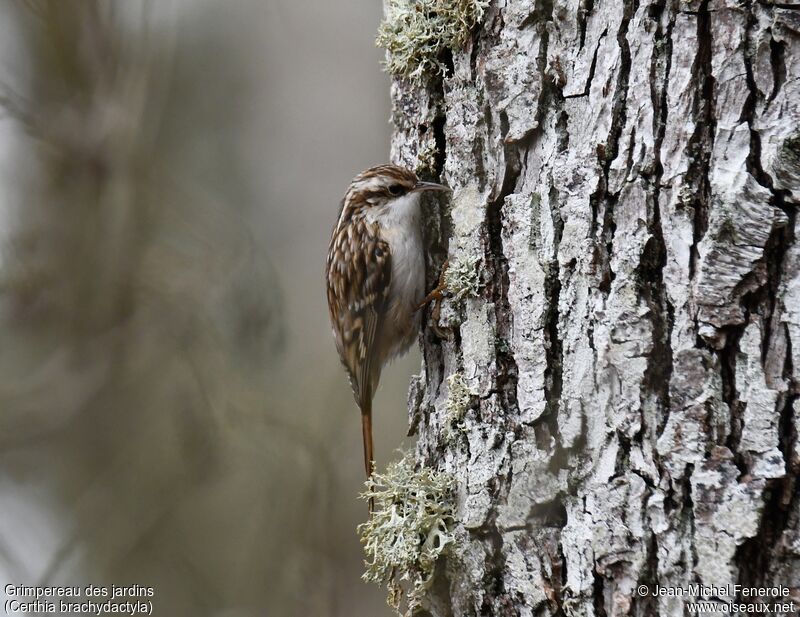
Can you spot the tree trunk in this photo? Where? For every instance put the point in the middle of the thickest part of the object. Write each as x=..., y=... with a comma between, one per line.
x=626, y=176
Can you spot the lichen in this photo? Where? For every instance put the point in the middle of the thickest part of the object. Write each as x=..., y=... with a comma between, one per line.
x=791, y=148
x=570, y=604
x=416, y=32
x=426, y=159
x=458, y=400
x=410, y=527
x=461, y=278
x=793, y=143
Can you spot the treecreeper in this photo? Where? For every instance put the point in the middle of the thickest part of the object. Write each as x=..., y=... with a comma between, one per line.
x=375, y=275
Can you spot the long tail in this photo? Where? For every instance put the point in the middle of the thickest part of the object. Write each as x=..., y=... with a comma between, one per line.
x=366, y=433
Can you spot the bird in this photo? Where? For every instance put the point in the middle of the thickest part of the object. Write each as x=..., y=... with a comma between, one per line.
x=375, y=278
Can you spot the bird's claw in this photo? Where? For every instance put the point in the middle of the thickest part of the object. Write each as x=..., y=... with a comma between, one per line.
x=436, y=296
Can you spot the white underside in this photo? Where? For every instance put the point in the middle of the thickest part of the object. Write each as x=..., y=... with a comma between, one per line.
x=400, y=226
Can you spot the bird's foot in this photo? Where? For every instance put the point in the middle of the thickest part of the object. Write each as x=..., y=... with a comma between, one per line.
x=439, y=292
x=436, y=296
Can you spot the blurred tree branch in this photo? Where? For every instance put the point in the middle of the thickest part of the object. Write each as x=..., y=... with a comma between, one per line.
x=139, y=315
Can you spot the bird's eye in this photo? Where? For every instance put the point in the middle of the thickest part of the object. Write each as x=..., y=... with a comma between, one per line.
x=396, y=189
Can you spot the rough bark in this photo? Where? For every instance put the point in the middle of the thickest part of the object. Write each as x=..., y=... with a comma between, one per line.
x=626, y=176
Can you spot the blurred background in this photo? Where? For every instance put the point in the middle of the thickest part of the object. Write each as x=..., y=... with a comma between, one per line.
x=172, y=410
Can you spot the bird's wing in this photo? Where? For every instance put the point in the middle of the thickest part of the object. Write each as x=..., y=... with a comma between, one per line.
x=359, y=276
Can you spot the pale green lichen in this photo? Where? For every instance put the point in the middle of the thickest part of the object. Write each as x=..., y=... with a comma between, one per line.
x=461, y=278
x=426, y=159
x=569, y=603
x=459, y=397
x=416, y=32
x=410, y=527
x=791, y=148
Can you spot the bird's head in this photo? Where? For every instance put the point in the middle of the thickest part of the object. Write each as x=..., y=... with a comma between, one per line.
x=386, y=186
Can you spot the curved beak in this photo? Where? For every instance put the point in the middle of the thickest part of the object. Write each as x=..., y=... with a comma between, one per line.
x=430, y=186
